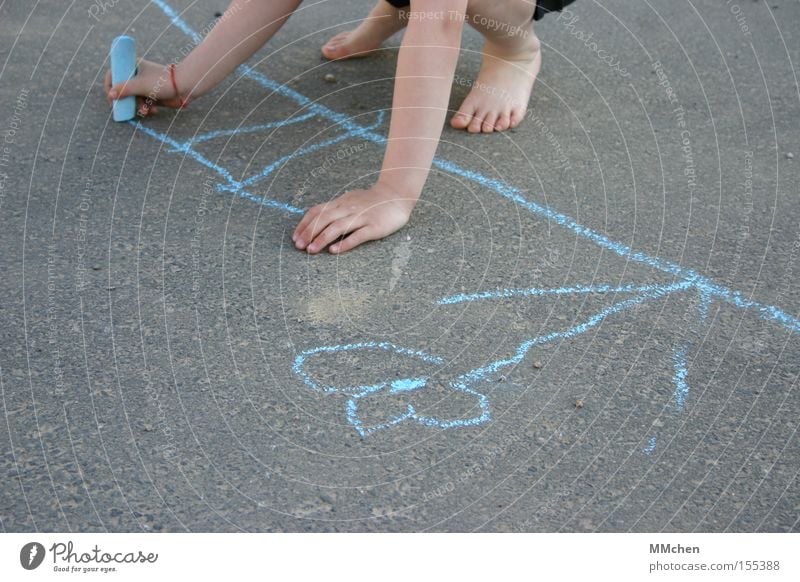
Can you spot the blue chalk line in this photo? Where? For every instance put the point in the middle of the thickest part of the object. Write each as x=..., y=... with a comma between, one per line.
x=681, y=372
x=181, y=147
x=299, y=362
x=401, y=385
x=245, y=130
x=309, y=150
x=687, y=279
x=537, y=292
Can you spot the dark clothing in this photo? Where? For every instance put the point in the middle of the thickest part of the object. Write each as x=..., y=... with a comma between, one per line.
x=545, y=6
x=542, y=6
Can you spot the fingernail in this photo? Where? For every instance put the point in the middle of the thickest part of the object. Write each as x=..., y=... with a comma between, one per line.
x=335, y=249
x=312, y=248
x=300, y=243
x=112, y=94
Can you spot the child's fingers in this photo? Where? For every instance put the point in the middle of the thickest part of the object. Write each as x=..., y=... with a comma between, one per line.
x=301, y=226
x=107, y=84
x=145, y=107
x=315, y=221
x=135, y=86
x=312, y=229
x=334, y=230
x=173, y=102
x=357, y=237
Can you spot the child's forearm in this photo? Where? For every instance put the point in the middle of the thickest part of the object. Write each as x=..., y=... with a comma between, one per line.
x=425, y=68
x=243, y=29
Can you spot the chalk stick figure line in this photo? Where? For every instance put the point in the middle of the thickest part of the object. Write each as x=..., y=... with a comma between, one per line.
x=686, y=279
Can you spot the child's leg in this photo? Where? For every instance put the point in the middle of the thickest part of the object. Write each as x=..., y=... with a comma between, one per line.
x=426, y=64
x=383, y=21
x=511, y=60
x=238, y=34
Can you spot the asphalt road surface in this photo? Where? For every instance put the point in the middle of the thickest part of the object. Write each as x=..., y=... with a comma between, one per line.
x=590, y=323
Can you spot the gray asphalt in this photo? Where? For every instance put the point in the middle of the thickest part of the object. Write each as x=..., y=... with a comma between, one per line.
x=150, y=322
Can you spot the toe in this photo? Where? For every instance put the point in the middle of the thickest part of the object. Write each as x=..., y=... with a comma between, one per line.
x=331, y=51
x=502, y=122
x=488, y=122
x=337, y=39
x=515, y=118
x=333, y=48
x=477, y=123
x=461, y=119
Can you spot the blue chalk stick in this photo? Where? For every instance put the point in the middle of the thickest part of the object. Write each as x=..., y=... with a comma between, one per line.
x=123, y=68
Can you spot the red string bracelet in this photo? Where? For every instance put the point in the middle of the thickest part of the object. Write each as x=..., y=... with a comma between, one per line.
x=184, y=101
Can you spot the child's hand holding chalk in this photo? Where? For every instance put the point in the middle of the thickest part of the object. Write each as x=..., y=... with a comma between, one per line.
x=152, y=87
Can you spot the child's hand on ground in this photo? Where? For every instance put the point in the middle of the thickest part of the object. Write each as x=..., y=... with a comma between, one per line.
x=151, y=85
x=357, y=215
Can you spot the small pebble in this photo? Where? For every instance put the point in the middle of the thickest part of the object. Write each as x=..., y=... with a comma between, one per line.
x=579, y=403
x=330, y=78
x=148, y=428
x=408, y=238
x=217, y=14
x=789, y=156
x=537, y=364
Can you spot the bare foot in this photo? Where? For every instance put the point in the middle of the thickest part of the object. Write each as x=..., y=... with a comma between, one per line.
x=499, y=98
x=382, y=22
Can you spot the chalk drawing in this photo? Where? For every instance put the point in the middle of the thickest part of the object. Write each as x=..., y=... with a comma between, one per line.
x=686, y=279
x=357, y=393
x=245, y=130
x=681, y=387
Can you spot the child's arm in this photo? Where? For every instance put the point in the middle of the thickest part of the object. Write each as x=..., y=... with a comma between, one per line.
x=244, y=28
x=425, y=68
